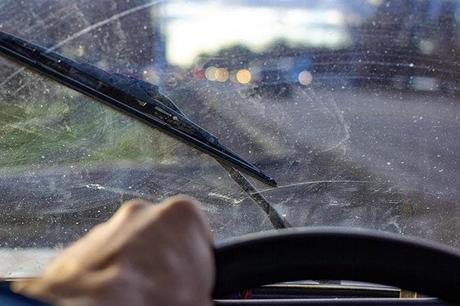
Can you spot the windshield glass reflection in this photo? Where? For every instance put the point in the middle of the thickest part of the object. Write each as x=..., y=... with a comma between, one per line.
x=352, y=106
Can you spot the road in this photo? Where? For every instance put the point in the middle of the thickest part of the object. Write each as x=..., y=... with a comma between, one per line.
x=376, y=159
x=411, y=140
x=400, y=146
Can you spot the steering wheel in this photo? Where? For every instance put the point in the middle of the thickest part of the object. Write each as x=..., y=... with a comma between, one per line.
x=331, y=254
x=337, y=254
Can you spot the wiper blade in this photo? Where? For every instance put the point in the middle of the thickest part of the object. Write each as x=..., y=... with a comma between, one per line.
x=137, y=98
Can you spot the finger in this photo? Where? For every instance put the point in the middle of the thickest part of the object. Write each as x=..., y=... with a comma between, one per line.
x=131, y=208
x=182, y=209
x=52, y=289
x=97, y=248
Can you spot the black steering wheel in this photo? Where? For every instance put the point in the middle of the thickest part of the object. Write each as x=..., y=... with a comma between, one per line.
x=337, y=254
x=330, y=254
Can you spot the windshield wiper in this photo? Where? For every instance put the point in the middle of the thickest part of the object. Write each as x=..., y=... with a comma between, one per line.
x=137, y=98
x=142, y=101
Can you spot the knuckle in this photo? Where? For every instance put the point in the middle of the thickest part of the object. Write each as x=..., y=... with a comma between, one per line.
x=183, y=214
x=132, y=207
x=182, y=206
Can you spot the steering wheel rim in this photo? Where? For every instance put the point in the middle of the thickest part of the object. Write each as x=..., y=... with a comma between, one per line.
x=332, y=253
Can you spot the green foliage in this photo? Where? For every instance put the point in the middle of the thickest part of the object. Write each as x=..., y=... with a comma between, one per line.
x=66, y=128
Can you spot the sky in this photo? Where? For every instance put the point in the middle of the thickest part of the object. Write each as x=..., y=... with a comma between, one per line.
x=194, y=27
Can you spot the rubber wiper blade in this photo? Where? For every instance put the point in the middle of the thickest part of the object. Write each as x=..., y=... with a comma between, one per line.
x=137, y=98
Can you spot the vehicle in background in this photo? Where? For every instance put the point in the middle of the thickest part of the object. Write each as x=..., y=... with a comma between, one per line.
x=272, y=82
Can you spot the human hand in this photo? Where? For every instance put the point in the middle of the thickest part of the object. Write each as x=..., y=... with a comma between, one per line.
x=144, y=255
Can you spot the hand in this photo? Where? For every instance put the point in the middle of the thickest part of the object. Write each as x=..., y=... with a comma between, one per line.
x=144, y=255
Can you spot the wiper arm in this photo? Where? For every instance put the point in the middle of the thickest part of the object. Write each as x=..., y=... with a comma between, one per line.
x=135, y=97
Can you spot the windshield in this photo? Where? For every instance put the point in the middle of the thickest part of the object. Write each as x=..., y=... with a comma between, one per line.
x=351, y=105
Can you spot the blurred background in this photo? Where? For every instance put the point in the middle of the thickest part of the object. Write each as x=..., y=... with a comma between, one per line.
x=248, y=41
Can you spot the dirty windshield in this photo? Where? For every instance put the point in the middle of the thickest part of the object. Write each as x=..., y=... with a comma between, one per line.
x=351, y=105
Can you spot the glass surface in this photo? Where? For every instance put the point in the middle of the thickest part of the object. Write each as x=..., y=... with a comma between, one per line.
x=351, y=105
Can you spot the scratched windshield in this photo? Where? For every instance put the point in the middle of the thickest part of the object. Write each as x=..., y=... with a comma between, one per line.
x=351, y=105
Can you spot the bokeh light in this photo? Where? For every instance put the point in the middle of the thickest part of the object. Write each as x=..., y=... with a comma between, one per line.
x=243, y=76
x=221, y=75
x=210, y=73
x=305, y=78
